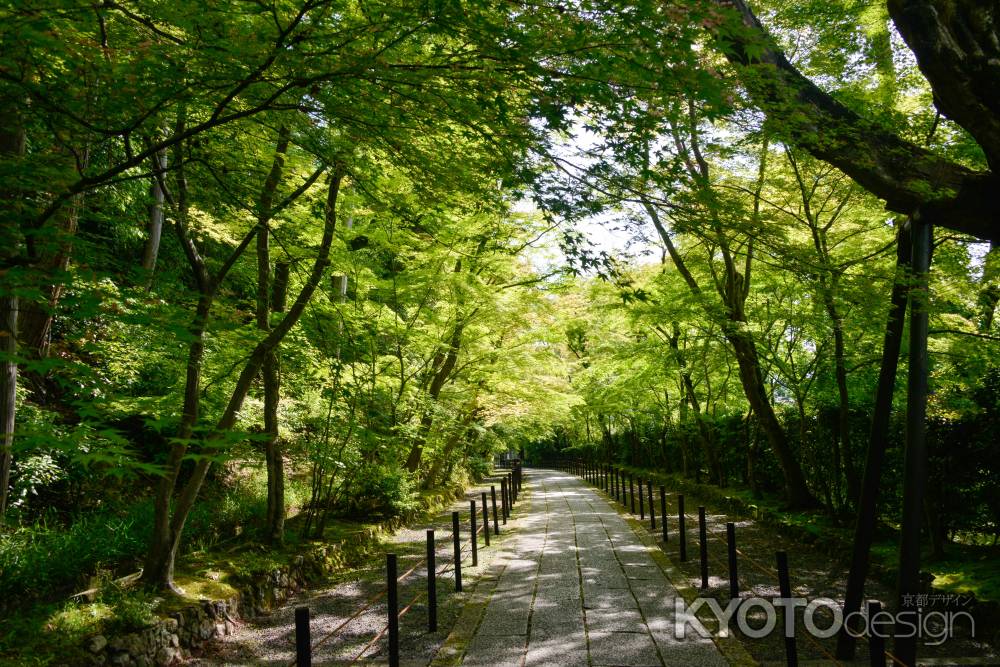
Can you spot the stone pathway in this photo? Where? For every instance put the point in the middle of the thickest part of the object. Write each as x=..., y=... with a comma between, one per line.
x=578, y=587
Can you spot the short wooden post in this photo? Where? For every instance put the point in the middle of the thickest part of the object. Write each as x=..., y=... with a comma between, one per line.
x=785, y=587
x=303, y=644
x=457, y=548
x=493, y=498
x=681, y=530
x=703, y=546
x=652, y=514
x=734, y=584
x=392, y=599
x=663, y=512
x=486, y=521
x=474, y=533
x=432, y=596
x=631, y=494
x=503, y=499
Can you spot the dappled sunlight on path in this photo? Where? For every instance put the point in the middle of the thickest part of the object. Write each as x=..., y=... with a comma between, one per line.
x=580, y=588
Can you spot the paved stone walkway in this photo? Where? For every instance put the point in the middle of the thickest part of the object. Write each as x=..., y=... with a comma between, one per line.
x=580, y=588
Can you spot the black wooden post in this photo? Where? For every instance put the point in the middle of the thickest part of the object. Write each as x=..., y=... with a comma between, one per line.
x=876, y=641
x=631, y=494
x=614, y=483
x=663, y=511
x=681, y=530
x=493, y=498
x=303, y=644
x=784, y=585
x=703, y=546
x=642, y=504
x=392, y=598
x=652, y=514
x=486, y=521
x=503, y=499
x=432, y=594
x=474, y=533
x=734, y=584
x=457, y=547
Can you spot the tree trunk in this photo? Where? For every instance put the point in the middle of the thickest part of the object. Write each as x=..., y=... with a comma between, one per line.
x=464, y=428
x=915, y=459
x=12, y=146
x=275, y=517
x=441, y=374
x=864, y=528
x=36, y=317
x=154, y=227
x=704, y=433
x=8, y=394
x=989, y=295
x=158, y=572
x=796, y=490
x=844, y=407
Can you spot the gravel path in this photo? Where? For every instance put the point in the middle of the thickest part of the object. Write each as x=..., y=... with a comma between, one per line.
x=270, y=639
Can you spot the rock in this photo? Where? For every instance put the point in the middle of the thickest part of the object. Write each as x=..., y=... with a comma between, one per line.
x=166, y=656
x=175, y=641
x=97, y=643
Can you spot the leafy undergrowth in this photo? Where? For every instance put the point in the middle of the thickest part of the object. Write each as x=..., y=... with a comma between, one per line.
x=43, y=630
x=966, y=569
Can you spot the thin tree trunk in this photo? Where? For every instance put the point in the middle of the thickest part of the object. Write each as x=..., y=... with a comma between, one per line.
x=864, y=528
x=275, y=518
x=8, y=394
x=797, y=491
x=442, y=373
x=169, y=527
x=915, y=459
x=989, y=296
x=154, y=227
x=12, y=147
x=36, y=318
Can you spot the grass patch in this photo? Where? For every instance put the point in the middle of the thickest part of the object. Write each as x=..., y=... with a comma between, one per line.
x=968, y=574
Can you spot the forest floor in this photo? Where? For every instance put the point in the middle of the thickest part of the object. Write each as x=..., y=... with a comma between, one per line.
x=816, y=571
x=270, y=639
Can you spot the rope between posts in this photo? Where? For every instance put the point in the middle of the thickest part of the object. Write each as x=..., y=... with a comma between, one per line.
x=370, y=644
x=400, y=614
x=368, y=605
x=370, y=602
x=772, y=573
x=409, y=606
x=413, y=569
